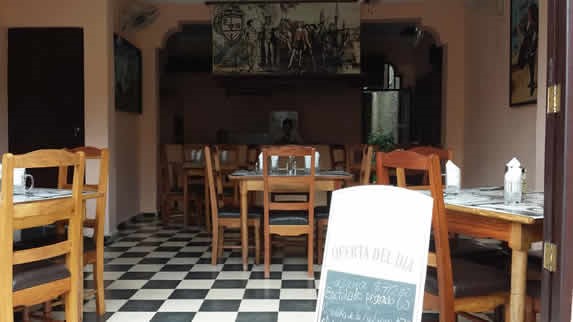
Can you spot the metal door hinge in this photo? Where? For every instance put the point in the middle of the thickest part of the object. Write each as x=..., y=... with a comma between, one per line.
x=549, y=256
x=554, y=99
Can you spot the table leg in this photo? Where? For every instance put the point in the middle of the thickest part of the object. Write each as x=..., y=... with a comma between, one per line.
x=185, y=199
x=244, y=227
x=518, y=273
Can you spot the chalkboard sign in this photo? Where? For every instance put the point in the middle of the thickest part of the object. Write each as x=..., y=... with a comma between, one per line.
x=376, y=253
x=350, y=297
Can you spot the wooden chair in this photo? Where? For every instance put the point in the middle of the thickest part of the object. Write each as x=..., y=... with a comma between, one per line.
x=223, y=217
x=462, y=287
x=31, y=276
x=443, y=154
x=229, y=157
x=365, y=170
x=338, y=156
x=460, y=246
x=175, y=195
x=321, y=213
x=288, y=218
x=93, y=246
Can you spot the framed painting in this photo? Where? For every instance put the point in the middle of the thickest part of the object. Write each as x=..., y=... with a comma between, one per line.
x=524, y=31
x=127, y=59
x=286, y=38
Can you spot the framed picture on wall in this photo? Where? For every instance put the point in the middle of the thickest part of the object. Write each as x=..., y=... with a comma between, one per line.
x=127, y=60
x=524, y=18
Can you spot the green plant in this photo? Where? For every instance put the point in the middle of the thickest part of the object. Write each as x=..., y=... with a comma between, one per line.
x=384, y=141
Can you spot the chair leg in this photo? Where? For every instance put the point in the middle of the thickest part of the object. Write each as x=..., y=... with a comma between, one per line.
x=257, y=228
x=529, y=311
x=214, y=245
x=48, y=311
x=507, y=311
x=221, y=241
x=26, y=314
x=199, y=209
x=164, y=215
x=310, y=252
x=320, y=242
x=267, y=257
x=99, y=288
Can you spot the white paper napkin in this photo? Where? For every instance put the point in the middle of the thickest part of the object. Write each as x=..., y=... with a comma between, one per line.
x=453, y=176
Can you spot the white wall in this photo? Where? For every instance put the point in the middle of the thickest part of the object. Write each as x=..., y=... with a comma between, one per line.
x=95, y=19
x=125, y=138
x=496, y=132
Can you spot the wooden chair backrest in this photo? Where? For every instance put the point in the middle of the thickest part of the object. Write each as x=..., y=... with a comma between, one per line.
x=338, y=158
x=443, y=154
x=92, y=153
x=37, y=214
x=353, y=156
x=289, y=183
x=214, y=183
x=172, y=159
x=366, y=164
x=407, y=160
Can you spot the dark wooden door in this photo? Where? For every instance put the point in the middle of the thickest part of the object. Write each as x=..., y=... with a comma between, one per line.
x=45, y=91
x=557, y=285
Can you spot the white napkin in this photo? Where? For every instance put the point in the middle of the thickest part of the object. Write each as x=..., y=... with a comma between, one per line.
x=453, y=176
x=307, y=162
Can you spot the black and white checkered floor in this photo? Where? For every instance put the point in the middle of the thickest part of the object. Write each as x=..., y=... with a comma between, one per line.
x=156, y=273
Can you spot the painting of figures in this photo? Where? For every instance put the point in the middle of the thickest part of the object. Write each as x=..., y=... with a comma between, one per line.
x=524, y=43
x=286, y=38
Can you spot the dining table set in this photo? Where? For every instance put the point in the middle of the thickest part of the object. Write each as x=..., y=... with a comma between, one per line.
x=482, y=213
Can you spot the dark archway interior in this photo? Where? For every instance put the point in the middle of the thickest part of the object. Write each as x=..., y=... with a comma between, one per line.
x=414, y=54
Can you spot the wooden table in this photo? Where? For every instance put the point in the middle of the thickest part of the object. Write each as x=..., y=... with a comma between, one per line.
x=481, y=213
x=44, y=194
x=253, y=181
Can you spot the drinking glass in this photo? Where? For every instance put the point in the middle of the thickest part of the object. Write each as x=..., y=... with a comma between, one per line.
x=21, y=180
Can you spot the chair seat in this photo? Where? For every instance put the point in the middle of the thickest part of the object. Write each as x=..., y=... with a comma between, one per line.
x=38, y=273
x=470, y=279
x=288, y=218
x=236, y=213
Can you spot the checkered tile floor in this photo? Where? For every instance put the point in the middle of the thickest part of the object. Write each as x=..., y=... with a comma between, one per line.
x=163, y=274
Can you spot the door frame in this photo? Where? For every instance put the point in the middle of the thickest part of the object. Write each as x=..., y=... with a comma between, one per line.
x=556, y=291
